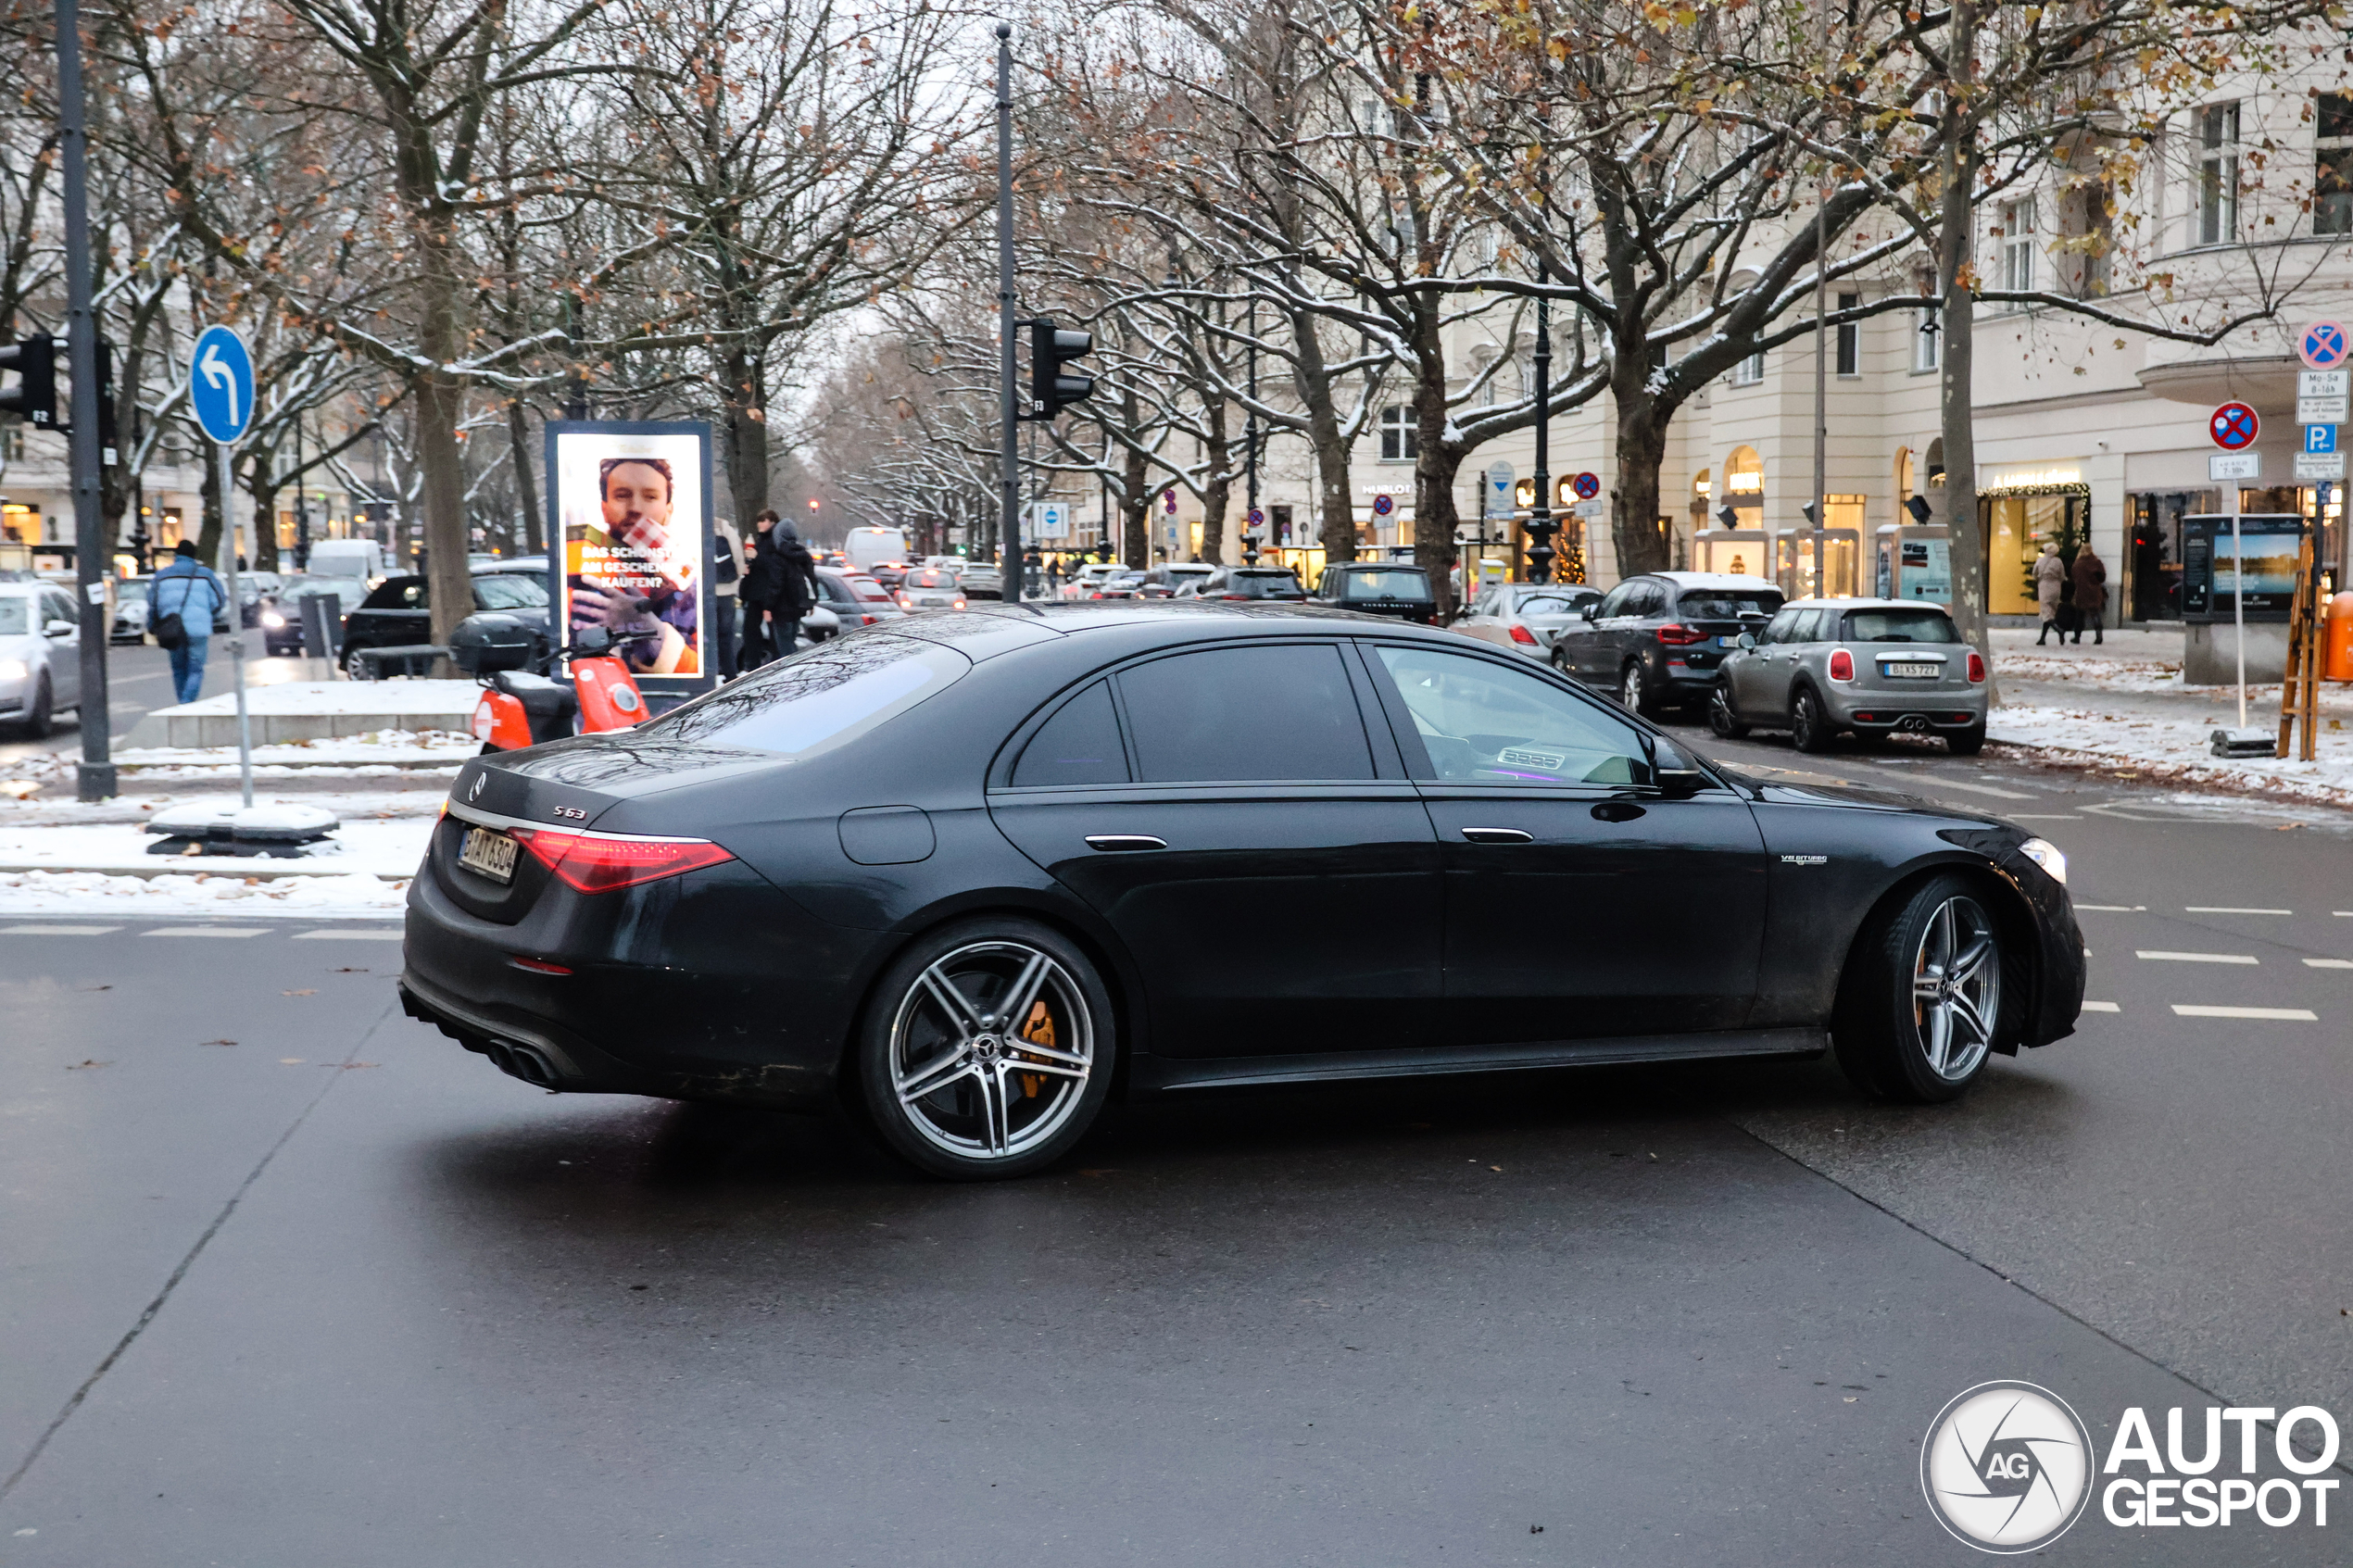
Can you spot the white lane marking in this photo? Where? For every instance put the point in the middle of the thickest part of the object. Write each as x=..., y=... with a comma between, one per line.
x=2342, y=914
x=205, y=931
x=56, y=930
x=367, y=935
x=2043, y=817
x=2101, y=1007
x=1938, y=782
x=2328, y=963
x=2115, y=909
x=2229, y=910
x=2291, y=1015
x=2194, y=958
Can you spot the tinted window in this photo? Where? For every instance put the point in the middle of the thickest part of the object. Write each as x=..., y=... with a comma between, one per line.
x=502, y=592
x=1484, y=724
x=1900, y=626
x=1246, y=713
x=1779, y=630
x=1554, y=601
x=1390, y=584
x=1650, y=598
x=1809, y=628
x=817, y=699
x=400, y=593
x=1619, y=598
x=1078, y=745
x=1711, y=605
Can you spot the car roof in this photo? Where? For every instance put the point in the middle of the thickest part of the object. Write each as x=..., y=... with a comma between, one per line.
x=1829, y=601
x=1714, y=579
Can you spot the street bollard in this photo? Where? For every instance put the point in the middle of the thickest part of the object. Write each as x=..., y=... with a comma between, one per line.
x=320, y=612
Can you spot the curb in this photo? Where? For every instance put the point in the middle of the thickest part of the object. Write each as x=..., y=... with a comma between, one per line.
x=212, y=865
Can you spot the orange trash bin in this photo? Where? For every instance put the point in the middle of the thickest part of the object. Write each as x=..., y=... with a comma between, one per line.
x=2336, y=660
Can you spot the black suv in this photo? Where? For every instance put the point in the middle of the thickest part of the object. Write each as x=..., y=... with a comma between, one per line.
x=1277, y=583
x=399, y=614
x=1378, y=587
x=1655, y=640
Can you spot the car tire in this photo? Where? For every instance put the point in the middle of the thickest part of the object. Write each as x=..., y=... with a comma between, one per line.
x=1559, y=661
x=999, y=1102
x=1921, y=1006
x=1808, y=730
x=359, y=669
x=1721, y=722
x=39, y=717
x=1966, y=743
x=1633, y=689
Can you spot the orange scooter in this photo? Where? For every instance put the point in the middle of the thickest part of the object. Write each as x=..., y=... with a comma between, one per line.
x=523, y=707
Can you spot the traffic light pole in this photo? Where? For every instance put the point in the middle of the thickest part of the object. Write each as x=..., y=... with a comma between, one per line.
x=93, y=551
x=1009, y=451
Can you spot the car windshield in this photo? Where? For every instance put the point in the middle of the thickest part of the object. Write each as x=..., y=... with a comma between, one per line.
x=817, y=699
x=1387, y=583
x=16, y=616
x=1906, y=625
x=1553, y=601
x=350, y=590
x=502, y=591
x=129, y=588
x=1728, y=606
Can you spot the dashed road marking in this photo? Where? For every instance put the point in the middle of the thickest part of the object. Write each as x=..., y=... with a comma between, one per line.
x=2289, y=1015
x=2229, y=910
x=1936, y=780
x=370, y=935
x=205, y=931
x=2043, y=817
x=2194, y=958
x=2328, y=963
x=56, y=930
x=2115, y=909
x=2101, y=1007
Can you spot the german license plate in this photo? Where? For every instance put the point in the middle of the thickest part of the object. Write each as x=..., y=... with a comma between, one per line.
x=492, y=854
x=1912, y=671
x=1728, y=642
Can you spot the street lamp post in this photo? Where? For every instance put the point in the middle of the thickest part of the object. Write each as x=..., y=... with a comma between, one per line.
x=1249, y=443
x=92, y=548
x=1009, y=448
x=1540, y=521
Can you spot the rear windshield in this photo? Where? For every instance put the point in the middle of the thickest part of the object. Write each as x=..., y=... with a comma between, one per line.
x=931, y=578
x=817, y=699
x=1264, y=584
x=1554, y=601
x=1906, y=625
x=1728, y=606
x=1395, y=582
x=866, y=588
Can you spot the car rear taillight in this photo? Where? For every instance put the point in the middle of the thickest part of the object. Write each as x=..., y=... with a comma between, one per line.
x=1522, y=635
x=1976, y=667
x=1677, y=637
x=1226, y=596
x=960, y=604
x=905, y=602
x=1842, y=665
x=596, y=862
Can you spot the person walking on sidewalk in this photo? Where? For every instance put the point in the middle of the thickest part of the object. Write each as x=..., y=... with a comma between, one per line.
x=2050, y=588
x=763, y=577
x=796, y=587
x=2091, y=594
x=188, y=591
x=726, y=579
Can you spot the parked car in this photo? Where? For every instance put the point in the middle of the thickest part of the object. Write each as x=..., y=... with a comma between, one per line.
x=513, y=566
x=40, y=655
x=1377, y=588
x=1278, y=583
x=929, y=587
x=252, y=588
x=888, y=573
x=399, y=613
x=281, y=619
x=130, y=611
x=982, y=580
x=1876, y=667
x=1113, y=791
x=1526, y=617
x=855, y=598
x=1163, y=581
x=1120, y=582
x=1090, y=574
x=1655, y=640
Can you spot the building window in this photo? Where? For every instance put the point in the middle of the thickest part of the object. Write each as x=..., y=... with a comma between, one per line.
x=2218, y=174
x=2018, y=245
x=1400, y=440
x=1280, y=517
x=1850, y=337
x=2332, y=168
x=1751, y=370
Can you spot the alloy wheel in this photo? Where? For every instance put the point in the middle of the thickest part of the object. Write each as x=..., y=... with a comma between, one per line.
x=991, y=1049
x=1629, y=688
x=1957, y=988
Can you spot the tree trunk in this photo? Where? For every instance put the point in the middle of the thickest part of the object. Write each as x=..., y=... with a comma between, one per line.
x=1435, y=462
x=1642, y=419
x=1956, y=320
x=1218, y=494
x=526, y=478
x=747, y=436
x=1336, y=517
x=209, y=534
x=440, y=459
x=1135, y=493
x=264, y=490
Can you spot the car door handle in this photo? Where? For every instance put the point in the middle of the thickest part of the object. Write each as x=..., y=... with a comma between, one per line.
x=1111, y=842
x=1498, y=836
x=1616, y=812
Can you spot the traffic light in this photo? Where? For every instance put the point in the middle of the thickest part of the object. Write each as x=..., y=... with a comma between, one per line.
x=1050, y=388
x=34, y=361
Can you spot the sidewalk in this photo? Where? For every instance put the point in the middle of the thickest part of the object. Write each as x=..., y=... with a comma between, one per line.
x=2121, y=705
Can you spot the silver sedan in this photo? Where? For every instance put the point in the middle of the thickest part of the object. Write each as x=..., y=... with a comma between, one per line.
x=1524, y=617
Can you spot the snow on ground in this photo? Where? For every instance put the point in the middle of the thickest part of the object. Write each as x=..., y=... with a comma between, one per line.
x=2106, y=674
x=378, y=753
x=205, y=894
x=2175, y=749
x=337, y=696
x=136, y=804
x=383, y=847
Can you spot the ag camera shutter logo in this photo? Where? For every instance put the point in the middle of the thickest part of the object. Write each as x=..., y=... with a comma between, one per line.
x=2007, y=1467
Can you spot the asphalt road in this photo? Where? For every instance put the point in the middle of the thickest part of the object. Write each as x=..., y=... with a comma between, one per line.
x=338, y=1292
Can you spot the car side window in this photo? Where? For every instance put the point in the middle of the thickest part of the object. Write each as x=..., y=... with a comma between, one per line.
x=1237, y=714
x=1484, y=723
x=1778, y=629
x=1614, y=603
x=1809, y=626
x=1078, y=745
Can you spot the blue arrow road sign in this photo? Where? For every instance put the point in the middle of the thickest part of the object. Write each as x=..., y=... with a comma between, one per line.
x=2319, y=438
x=221, y=384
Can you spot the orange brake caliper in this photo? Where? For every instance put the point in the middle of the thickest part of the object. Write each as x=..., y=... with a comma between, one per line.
x=1039, y=1030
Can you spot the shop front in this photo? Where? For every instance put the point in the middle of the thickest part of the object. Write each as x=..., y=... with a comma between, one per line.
x=2017, y=517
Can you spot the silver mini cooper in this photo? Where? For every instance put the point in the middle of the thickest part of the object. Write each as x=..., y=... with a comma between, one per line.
x=1822, y=667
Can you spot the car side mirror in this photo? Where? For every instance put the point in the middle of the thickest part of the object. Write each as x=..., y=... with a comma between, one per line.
x=1590, y=610
x=1747, y=640
x=1673, y=772
x=57, y=629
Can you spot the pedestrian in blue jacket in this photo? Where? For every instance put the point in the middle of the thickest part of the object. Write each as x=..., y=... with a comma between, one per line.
x=188, y=589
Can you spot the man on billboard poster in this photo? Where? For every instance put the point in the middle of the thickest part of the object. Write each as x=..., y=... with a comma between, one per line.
x=632, y=509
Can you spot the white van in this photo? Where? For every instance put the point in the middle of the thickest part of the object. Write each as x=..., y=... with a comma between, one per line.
x=866, y=546
x=363, y=558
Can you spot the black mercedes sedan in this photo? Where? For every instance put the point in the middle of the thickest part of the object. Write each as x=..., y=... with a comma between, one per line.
x=974, y=874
